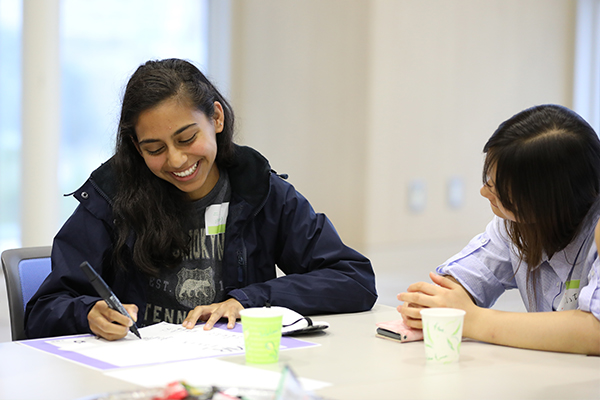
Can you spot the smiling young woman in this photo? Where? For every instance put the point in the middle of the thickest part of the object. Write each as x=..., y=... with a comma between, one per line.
x=186, y=226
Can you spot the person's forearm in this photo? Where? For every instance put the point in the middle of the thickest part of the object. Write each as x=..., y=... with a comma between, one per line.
x=571, y=331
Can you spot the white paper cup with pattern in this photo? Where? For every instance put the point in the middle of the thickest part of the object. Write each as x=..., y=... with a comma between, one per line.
x=442, y=334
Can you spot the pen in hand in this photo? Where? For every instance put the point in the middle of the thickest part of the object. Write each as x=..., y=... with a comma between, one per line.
x=107, y=294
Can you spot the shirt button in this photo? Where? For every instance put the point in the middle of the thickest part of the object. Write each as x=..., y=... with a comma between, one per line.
x=85, y=195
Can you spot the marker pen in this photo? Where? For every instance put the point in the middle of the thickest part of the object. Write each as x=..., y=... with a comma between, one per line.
x=107, y=294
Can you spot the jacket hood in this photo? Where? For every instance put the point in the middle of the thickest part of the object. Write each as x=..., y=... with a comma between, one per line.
x=249, y=175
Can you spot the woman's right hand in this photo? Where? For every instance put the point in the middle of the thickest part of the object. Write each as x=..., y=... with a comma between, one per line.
x=108, y=323
x=445, y=291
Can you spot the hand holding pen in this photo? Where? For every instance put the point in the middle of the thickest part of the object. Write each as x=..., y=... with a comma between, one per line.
x=109, y=318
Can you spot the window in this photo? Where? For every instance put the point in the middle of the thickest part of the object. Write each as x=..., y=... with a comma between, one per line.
x=586, y=96
x=10, y=123
x=102, y=43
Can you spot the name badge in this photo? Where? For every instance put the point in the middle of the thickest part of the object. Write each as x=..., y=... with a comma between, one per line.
x=215, y=218
x=569, y=300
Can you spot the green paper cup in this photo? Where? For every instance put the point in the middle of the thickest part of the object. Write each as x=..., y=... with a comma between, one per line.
x=262, y=334
x=442, y=334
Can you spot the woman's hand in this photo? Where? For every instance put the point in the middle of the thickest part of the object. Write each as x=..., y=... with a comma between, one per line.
x=445, y=292
x=229, y=309
x=108, y=323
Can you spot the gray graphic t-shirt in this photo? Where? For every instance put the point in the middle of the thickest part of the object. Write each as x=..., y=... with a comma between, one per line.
x=198, y=279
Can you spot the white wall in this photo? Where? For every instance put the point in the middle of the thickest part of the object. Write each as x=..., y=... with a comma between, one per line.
x=299, y=88
x=357, y=99
x=443, y=75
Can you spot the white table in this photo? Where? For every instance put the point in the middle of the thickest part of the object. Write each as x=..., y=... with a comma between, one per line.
x=358, y=364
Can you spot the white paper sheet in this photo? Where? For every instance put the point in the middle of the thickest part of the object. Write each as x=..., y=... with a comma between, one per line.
x=160, y=343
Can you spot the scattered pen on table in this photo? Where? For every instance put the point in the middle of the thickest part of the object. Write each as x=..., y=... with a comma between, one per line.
x=106, y=293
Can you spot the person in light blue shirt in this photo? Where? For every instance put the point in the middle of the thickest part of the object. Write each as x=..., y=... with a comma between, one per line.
x=542, y=179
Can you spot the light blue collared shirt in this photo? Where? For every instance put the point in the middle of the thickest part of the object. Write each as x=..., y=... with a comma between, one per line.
x=489, y=265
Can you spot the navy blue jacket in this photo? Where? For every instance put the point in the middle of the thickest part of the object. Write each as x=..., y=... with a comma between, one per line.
x=269, y=224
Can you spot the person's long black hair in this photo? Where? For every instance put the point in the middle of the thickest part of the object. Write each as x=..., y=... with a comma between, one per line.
x=547, y=173
x=149, y=212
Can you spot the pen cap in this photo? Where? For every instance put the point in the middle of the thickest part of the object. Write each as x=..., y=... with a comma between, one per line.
x=96, y=280
x=88, y=270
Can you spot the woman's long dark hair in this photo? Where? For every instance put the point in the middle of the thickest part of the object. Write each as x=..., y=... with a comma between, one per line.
x=148, y=210
x=547, y=173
